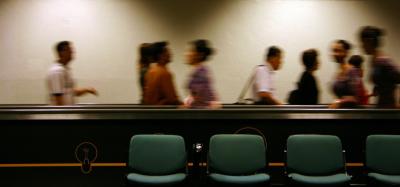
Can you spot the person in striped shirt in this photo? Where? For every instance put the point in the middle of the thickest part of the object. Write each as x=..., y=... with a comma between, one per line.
x=200, y=84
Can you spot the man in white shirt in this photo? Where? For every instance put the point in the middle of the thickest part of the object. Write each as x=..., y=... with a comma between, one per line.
x=60, y=81
x=264, y=83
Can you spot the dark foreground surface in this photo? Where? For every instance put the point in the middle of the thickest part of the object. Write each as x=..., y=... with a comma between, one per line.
x=44, y=146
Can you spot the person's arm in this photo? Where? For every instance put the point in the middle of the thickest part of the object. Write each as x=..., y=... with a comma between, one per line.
x=339, y=103
x=168, y=90
x=58, y=100
x=83, y=91
x=215, y=105
x=268, y=98
x=187, y=102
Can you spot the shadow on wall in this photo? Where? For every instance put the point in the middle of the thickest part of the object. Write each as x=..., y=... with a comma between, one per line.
x=389, y=22
x=184, y=16
x=387, y=9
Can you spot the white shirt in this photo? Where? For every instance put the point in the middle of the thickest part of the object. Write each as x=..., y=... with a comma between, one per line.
x=263, y=81
x=60, y=82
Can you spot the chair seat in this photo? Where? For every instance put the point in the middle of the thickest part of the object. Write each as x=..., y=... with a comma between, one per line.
x=240, y=180
x=387, y=179
x=156, y=180
x=337, y=179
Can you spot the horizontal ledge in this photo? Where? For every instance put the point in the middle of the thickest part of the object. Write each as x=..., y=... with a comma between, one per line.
x=197, y=114
x=281, y=164
x=123, y=164
x=29, y=165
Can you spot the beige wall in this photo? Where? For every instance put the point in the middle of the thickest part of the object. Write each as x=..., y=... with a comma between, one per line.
x=106, y=34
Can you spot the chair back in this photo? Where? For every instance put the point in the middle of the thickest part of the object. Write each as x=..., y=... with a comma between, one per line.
x=314, y=154
x=383, y=154
x=236, y=154
x=157, y=154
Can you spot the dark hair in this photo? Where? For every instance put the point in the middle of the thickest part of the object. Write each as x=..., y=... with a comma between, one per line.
x=356, y=61
x=373, y=34
x=273, y=51
x=61, y=46
x=202, y=47
x=310, y=58
x=346, y=45
x=146, y=54
x=158, y=49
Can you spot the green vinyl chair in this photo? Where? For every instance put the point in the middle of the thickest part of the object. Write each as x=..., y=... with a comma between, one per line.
x=383, y=159
x=157, y=160
x=237, y=159
x=316, y=160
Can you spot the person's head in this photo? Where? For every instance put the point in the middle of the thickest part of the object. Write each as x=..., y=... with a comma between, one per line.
x=64, y=51
x=340, y=50
x=370, y=38
x=199, y=52
x=274, y=56
x=356, y=61
x=146, y=54
x=310, y=60
x=161, y=53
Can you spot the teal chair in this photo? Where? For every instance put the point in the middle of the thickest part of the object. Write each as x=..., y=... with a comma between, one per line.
x=157, y=160
x=237, y=159
x=383, y=159
x=316, y=160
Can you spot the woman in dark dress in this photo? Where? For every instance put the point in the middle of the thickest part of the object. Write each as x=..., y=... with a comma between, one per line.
x=307, y=92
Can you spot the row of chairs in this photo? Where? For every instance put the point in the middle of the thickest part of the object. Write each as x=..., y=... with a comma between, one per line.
x=240, y=159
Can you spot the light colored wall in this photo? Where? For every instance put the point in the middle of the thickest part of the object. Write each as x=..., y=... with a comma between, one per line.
x=106, y=34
